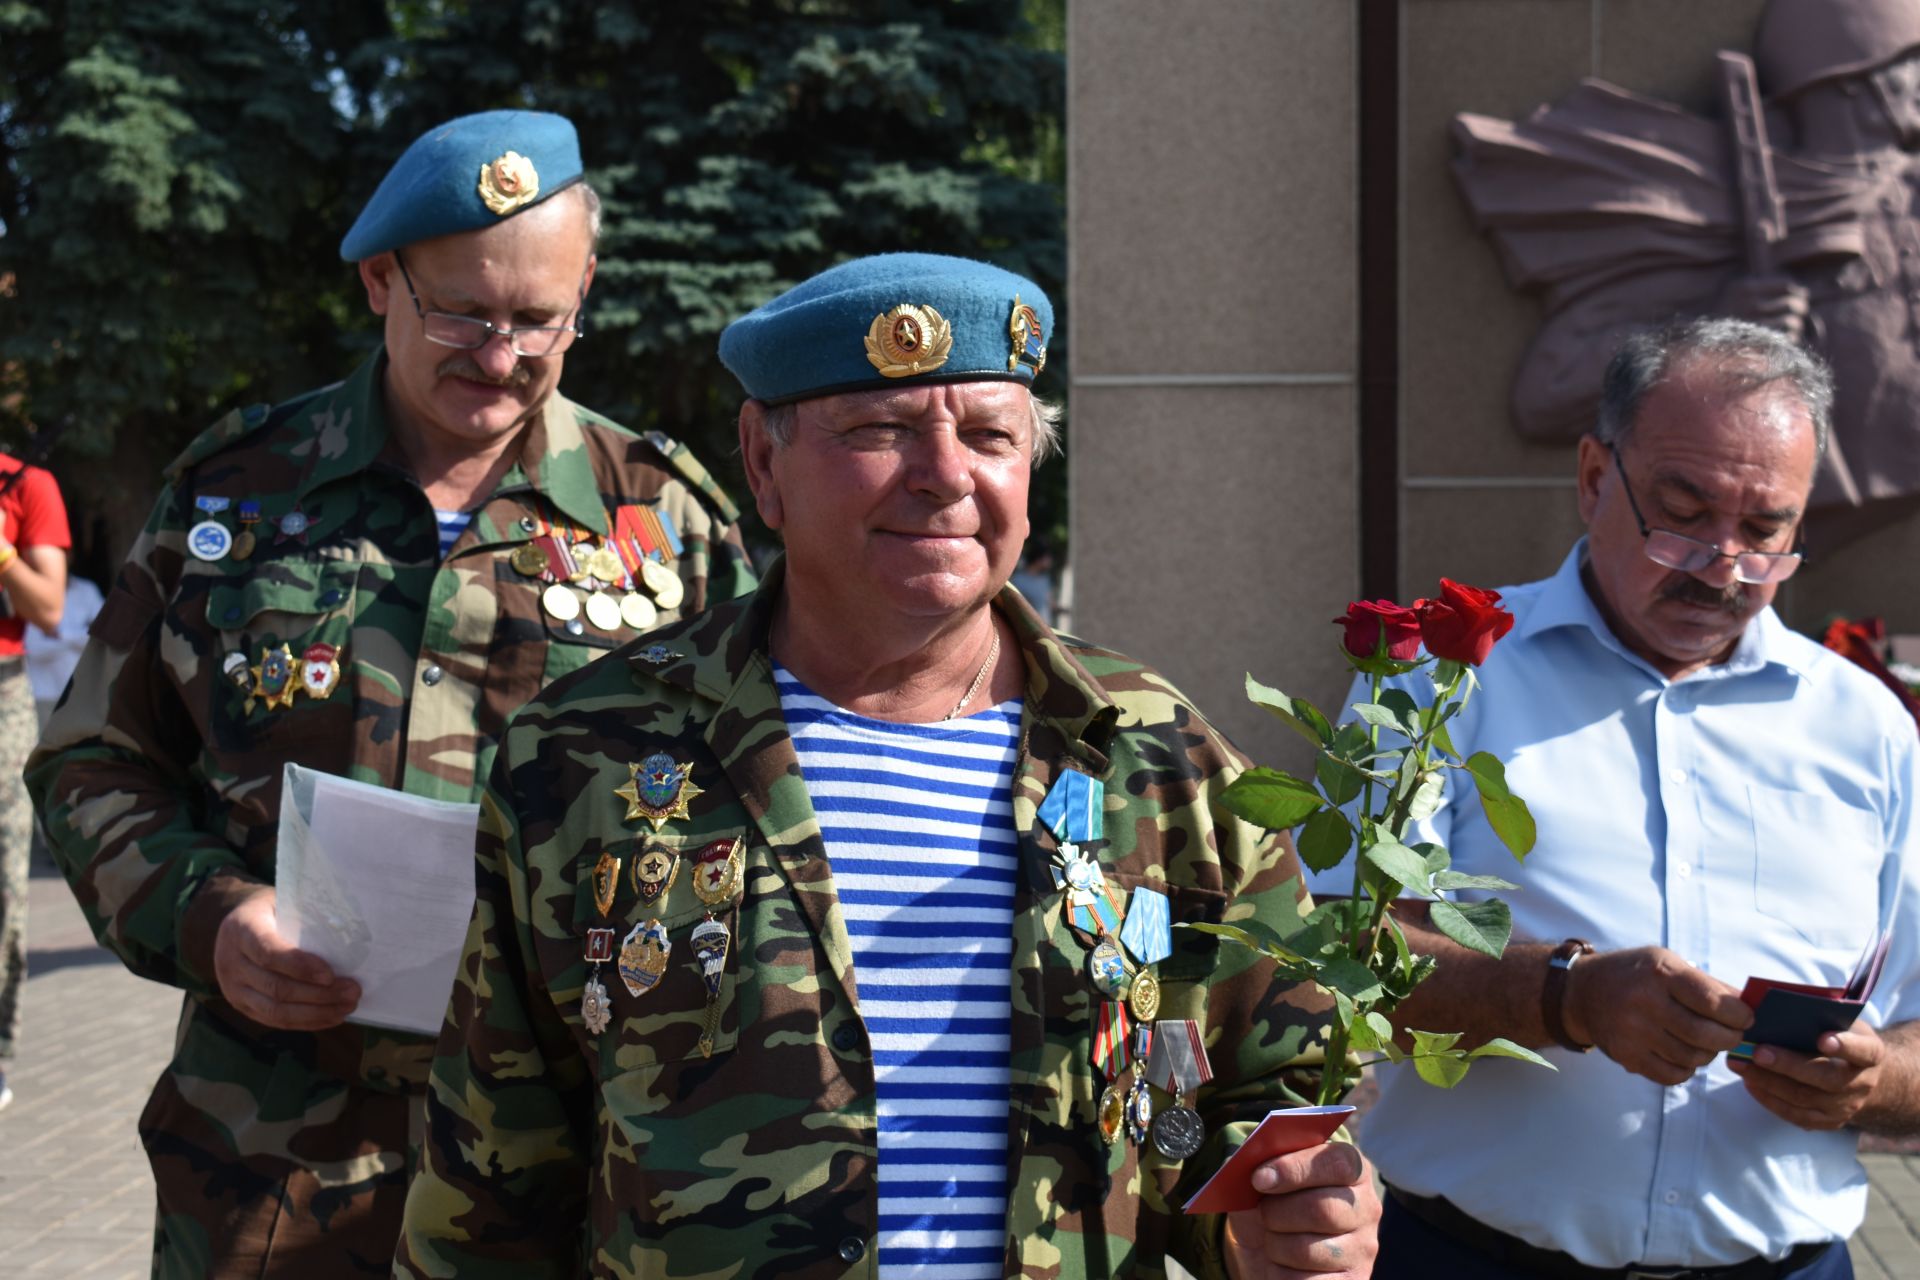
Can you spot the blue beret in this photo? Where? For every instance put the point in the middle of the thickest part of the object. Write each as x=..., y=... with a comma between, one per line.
x=466, y=174
x=888, y=320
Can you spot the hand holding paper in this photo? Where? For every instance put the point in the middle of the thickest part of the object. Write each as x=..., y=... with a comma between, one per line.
x=1309, y=1204
x=1289, y=1129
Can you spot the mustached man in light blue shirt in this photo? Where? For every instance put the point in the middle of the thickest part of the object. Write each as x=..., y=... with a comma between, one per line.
x=1717, y=798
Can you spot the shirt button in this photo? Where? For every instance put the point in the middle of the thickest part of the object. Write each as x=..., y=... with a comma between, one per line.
x=1672, y=1197
x=852, y=1249
x=431, y=675
x=1676, y=776
x=1684, y=870
x=526, y=524
x=846, y=1037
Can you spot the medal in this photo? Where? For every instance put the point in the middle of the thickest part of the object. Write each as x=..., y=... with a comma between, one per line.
x=599, y=945
x=234, y=667
x=293, y=527
x=1178, y=1064
x=528, y=560
x=643, y=957
x=1112, y=1039
x=1179, y=1132
x=603, y=611
x=1106, y=969
x=1139, y=1106
x=244, y=541
x=1113, y=1113
x=638, y=612
x=273, y=679
x=209, y=540
x=1072, y=807
x=1143, y=997
x=210, y=504
x=603, y=562
x=606, y=882
x=654, y=873
x=578, y=553
x=710, y=940
x=717, y=872
x=561, y=604
x=319, y=670
x=664, y=583
x=658, y=790
x=1147, y=933
x=658, y=655
x=595, y=1010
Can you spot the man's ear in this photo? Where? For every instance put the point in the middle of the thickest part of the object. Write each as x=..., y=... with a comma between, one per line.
x=756, y=451
x=1595, y=460
x=377, y=273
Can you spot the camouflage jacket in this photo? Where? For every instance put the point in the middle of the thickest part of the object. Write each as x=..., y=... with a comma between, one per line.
x=159, y=775
x=551, y=1151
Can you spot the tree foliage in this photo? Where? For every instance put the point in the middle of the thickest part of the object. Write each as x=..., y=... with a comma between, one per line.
x=175, y=179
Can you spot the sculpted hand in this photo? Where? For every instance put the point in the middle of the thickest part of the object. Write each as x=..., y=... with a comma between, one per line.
x=270, y=980
x=1652, y=1012
x=1824, y=1092
x=1775, y=301
x=1319, y=1217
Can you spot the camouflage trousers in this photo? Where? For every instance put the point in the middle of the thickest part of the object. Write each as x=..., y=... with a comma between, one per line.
x=265, y=1166
x=19, y=729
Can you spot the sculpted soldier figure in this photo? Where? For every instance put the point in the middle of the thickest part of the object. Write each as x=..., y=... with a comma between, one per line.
x=1622, y=211
x=831, y=932
x=367, y=580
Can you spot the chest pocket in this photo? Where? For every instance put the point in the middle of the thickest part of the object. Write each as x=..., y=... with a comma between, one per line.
x=670, y=1012
x=1830, y=898
x=282, y=658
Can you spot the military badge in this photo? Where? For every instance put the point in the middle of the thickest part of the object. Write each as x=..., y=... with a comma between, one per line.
x=1113, y=1113
x=1143, y=996
x=658, y=790
x=663, y=582
x=528, y=560
x=561, y=602
x=654, y=873
x=209, y=540
x=604, y=563
x=658, y=655
x=638, y=612
x=595, y=1009
x=908, y=340
x=508, y=183
x=643, y=957
x=710, y=941
x=717, y=872
x=1029, y=343
x=273, y=679
x=606, y=882
x=320, y=670
x=293, y=527
x=211, y=504
x=1106, y=969
x=244, y=541
x=1148, y=932
x=1072, y=809
x=599, y=946
x=234, y=667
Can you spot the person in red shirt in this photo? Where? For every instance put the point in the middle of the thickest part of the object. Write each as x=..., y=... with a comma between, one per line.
x=33, y=588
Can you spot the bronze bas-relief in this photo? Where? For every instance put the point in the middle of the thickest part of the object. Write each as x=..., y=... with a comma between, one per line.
x=1795, y=206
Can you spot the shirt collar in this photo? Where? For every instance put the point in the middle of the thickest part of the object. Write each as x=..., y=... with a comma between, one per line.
x=1563, y=602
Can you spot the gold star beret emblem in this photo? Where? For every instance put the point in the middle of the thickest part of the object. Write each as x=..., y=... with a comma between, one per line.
x=908, y=340
x=508, y=183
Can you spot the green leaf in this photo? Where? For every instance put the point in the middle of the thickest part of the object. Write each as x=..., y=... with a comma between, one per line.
x=1444, y=673
x=1384, y=666
x=1426, y=796
x=1340, y=780
x=1382, y=1028
x=1444, y=741
x=1350, y=741
x=1324, y=841
x=1253, y=935
x=1506, y=813
x=1271, y=799
x=1361, y=1036
x=1434, y=855
x=1499, y=1047
x=1296, y=713
x=1478, y=926
x=1400, y=864
x=1461, y=880
x=1401, y=703
x=1376, y=714
x=1435, y=1058
x=1348, y=977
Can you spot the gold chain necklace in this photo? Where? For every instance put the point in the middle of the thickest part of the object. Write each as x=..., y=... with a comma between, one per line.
x=978, y=676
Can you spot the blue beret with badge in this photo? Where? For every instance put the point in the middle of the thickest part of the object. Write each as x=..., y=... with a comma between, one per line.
x=888, y=320
x=466, y=174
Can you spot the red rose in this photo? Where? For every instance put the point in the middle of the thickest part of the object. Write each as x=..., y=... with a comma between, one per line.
x=1463, y=623
x=1364, y=620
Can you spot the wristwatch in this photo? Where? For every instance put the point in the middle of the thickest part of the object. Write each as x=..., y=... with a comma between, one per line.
x=1553, y=992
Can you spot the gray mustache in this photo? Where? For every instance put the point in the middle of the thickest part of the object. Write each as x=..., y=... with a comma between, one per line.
x=464, y=367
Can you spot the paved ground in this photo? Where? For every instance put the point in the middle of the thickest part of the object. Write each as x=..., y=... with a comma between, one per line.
x=76, y=1198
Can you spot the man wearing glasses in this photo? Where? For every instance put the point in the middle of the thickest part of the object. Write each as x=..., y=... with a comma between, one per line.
x=1718, y=799
x=367, y=581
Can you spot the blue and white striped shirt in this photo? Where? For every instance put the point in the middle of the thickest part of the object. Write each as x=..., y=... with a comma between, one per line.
x=452, y=525
x=918, y=823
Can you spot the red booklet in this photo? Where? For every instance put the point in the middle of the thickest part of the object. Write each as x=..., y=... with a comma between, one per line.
x=1794, y=1015
x=1230, y=1189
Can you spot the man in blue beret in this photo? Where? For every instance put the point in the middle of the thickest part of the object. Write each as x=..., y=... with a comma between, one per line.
x=367, y=581
x=831, y=932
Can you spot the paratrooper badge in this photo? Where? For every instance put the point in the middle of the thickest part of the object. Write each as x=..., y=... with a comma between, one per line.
x=1029, y=343
x=234, y=667
x=907, y=340
x=717, y=872
x=654, y=873
x=273, y=679
x=658, y=791
x=508, y=183
x=643, y=957
x=320, y=670
x=658, y=655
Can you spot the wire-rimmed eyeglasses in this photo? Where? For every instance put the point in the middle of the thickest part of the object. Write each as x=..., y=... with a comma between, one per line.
x=1690, y=555
x=469, y=333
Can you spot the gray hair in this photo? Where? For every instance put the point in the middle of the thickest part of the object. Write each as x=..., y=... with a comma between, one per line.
x=778, y=422
x=1745, y=356
x=590, y=201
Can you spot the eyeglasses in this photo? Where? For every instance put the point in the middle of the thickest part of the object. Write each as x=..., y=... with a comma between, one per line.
x=1690, y=555
x=468, y=333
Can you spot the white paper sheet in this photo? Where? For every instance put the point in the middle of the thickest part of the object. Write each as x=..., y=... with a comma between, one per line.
x=379, y=884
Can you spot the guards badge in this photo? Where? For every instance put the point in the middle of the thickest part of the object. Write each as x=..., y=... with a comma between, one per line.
x=320, y=670
x=1029, y=343
x=658, y=791
x=908, y=340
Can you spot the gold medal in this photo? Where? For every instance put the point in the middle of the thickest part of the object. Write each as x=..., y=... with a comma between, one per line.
x=560, y=602
x=664, y=583
x=243, y=544
x=528, y=560
x=716, y=872
x=638, y=612
x=604, y=563
x=603, y=611
x=1113, y=1113
x=1143, y=997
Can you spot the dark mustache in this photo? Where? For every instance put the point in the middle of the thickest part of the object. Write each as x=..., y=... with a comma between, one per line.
x=464, y=367
x=1690, y=590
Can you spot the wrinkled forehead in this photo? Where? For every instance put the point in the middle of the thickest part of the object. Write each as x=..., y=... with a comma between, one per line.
x=1010, y=402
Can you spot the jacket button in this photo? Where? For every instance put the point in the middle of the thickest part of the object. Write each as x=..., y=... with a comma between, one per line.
x=233, y=613
x=330, y=598
x=846, y=1037
x=575, y=627
x=852, y=1249
x=431, y=675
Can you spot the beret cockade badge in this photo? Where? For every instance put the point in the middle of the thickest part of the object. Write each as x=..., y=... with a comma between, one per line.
x=907, y=340
x=1029, y=341
x=508, y=183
